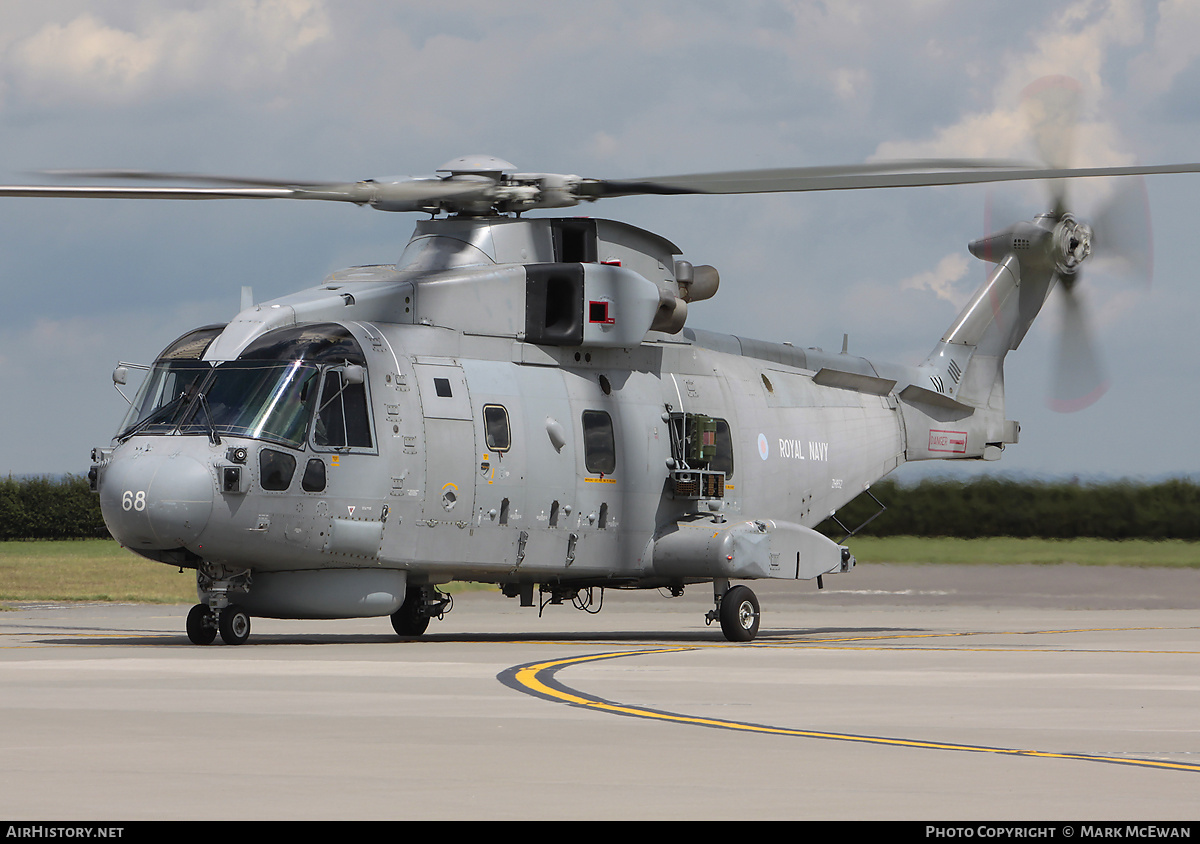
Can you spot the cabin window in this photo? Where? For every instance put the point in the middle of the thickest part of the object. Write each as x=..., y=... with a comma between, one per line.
x=314, y=476
x=275, y=469
x=599, y=444
x=343, y=420
x=497, y=434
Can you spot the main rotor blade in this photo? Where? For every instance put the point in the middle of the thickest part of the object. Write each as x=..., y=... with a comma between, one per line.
x=363, y=193
x=161, y=176
x=468, y=191
x=120, y=192
x=803, y=179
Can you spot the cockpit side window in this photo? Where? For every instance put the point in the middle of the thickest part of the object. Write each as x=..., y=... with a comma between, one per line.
x=171, y=383
x=342, y=420
x=164, y=394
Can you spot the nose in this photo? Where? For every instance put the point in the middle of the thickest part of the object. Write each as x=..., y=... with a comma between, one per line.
x=156, y=501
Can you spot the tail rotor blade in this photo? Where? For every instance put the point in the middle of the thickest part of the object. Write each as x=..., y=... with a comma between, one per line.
x=1079, y=380
x=1122, y=234
x=1052, y=106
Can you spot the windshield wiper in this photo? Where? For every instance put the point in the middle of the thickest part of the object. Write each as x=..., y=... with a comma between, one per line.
x=160, y=415
x=213, y=436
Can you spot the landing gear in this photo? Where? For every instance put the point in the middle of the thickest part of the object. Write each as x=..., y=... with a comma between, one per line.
x=737, y=610
x=216, y=586
x=201, y=625
x=234, y=624
x=409, y=620
x=420, y=605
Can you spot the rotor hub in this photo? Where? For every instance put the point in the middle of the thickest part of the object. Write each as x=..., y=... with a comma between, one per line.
x=477, y=165
x=1072, y=244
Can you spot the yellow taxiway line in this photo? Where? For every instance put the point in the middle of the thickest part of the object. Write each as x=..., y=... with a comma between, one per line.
x=538, y=679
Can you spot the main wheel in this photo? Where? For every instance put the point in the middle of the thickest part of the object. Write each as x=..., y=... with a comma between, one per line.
x=409, y=620
x=234, y=623
x=739, y=614
x=201, y=625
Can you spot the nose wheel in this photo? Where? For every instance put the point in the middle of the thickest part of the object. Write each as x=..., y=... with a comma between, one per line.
x=203, y=625
x=234, y=624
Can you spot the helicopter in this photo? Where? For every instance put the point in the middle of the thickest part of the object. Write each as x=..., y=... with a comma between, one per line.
x=519, y=401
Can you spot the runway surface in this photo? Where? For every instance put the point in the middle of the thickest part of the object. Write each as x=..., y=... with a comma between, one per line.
x=898, y=692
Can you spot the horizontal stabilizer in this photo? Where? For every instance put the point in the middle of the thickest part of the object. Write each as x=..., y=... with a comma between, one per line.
x=919, y=395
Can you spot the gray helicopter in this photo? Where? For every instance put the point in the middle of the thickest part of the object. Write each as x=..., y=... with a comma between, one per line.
x=519, y=401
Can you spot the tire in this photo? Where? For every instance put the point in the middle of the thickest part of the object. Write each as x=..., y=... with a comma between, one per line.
x=409, y=620
x=201, y=625
x=739, y=614
x=234, y=624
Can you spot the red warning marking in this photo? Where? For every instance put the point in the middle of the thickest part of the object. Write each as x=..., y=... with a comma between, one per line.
x=951, y=442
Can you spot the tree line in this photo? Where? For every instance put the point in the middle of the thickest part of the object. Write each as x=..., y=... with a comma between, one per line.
x=49, y=508
x=993, y=506
x=66, y=508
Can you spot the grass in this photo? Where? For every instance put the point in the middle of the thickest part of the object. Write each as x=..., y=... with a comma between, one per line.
x=1007, y=550
x=100, y=570
x=88, y=570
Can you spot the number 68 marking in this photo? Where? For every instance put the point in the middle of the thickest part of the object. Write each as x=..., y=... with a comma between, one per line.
x=131, y=500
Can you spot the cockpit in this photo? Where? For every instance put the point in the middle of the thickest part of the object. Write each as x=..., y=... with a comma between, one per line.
x=295, y=386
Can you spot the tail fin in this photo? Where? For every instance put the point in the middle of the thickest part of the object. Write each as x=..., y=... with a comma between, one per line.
x=966, y=368
x=970, y=356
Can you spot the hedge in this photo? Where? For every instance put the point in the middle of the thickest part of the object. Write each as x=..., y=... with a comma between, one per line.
x=65, y=508
x=1046, y=509
x=49, y=508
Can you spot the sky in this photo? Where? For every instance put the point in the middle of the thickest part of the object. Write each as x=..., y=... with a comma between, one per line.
x=314, y=90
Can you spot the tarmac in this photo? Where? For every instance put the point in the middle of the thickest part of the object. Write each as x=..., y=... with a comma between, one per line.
x=920, y=693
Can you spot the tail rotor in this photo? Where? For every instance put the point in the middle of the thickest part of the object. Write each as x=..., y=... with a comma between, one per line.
x=1118, y=241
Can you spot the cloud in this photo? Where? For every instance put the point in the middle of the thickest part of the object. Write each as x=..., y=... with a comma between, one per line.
x=618, y=89
x=1175, y=47
x=943, y=280
x=89, y=60
x=51, y=428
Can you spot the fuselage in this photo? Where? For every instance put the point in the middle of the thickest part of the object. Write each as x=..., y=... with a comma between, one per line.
x=516, y=402
x=469, y=442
